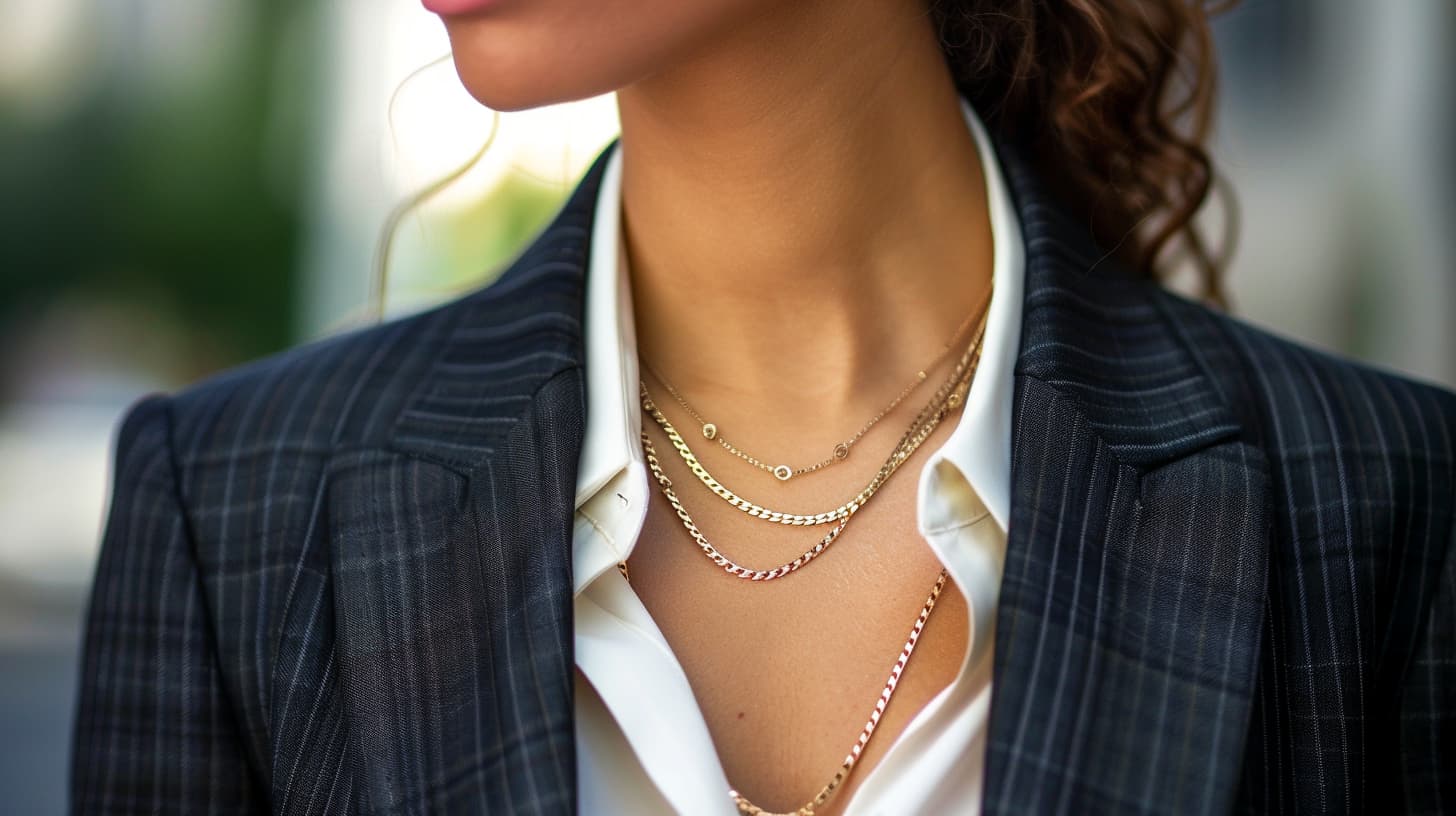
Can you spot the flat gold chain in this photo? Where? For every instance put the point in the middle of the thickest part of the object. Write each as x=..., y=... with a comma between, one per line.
x=750, y=809
x=947, y=397
x=841, y=451
x=713, y=554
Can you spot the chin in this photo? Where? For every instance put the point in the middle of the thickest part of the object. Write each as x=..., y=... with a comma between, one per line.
x=512, y=74
x=505, y=95
x=514, y=88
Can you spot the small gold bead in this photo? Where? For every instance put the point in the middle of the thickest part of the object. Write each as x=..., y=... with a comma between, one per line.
x=710, y=430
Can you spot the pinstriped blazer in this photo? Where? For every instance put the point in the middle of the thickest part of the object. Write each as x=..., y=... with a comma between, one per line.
x=338, y=580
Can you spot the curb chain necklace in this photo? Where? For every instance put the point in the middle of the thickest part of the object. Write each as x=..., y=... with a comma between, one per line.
x=728, y=565
x=841, y=451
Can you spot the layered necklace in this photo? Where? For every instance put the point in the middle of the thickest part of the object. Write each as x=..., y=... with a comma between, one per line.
x=948, y=397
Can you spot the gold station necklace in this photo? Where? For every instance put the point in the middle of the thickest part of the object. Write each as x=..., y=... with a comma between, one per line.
x=841, y=450
x=949, y=396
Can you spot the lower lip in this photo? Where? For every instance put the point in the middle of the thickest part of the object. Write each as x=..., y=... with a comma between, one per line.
x=446, y=8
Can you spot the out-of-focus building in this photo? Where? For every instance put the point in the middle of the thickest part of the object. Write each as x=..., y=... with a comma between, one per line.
x=1338, y=133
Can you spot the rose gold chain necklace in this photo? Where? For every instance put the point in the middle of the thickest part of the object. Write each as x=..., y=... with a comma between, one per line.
x=750, y=809
x=841, y=451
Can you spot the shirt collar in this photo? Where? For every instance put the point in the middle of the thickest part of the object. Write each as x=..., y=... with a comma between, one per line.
x=978, y=449
x=980, y=446
x=610, y=444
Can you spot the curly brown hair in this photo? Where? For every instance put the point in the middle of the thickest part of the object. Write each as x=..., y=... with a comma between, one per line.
x=1114, y=100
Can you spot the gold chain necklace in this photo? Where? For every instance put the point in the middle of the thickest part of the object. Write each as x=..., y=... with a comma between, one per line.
x=750, y=809
x=841, y=451
x=947, y=397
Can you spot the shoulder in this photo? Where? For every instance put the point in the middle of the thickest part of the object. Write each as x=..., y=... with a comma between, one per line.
x=1329, y=425
x=245, y=450
x=407, y=385
x=376, y=388
x=330, y=393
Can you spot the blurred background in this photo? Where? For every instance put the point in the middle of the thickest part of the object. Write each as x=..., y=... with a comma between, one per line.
x=187, y=185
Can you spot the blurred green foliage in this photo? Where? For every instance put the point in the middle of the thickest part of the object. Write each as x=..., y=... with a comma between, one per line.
x=185, y=199
x=469, y=245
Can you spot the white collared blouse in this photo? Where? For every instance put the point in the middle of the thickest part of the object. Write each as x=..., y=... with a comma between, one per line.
x=643, y=746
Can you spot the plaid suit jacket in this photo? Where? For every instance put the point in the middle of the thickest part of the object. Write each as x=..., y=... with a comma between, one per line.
x=338, y=580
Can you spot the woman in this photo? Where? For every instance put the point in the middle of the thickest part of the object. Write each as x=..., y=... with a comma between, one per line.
x=837, y=413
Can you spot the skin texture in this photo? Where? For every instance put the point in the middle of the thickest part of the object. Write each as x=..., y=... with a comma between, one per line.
x=806, y=225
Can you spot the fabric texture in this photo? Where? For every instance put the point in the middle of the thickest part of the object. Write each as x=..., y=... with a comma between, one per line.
x=338, y=580
x=642, y=744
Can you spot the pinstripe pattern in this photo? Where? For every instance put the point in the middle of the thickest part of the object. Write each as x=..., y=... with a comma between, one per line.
x=338, y=580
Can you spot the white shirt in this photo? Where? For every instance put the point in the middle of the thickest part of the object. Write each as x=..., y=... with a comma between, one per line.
x=643, y=746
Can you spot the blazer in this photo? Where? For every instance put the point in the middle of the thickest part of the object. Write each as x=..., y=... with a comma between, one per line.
x=337, y=580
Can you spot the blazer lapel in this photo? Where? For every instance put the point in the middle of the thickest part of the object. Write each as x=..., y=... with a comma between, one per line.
x=451, y=553
x=1129, y=619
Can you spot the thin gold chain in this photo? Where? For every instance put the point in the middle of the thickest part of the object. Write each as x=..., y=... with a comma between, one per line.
x=750, y=809
x=947, y=397
x=784, y=472
x=841, y=451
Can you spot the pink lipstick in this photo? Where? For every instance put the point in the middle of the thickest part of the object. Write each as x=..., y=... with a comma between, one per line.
x=447, y=8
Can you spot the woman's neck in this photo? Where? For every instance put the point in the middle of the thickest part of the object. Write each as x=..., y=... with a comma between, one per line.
x=798, y=228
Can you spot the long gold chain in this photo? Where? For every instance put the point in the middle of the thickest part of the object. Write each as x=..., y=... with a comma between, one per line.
x=947, y=397
x=750, y=809
x=841, y=451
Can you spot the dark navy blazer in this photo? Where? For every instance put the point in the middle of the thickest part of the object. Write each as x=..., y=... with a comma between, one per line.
x=338, y=580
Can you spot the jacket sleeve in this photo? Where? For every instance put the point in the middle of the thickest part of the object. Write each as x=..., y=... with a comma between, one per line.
x=1427, y=718
x=154, y=730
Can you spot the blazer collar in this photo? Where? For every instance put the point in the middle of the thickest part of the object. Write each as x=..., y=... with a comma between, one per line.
x=449, y=550
x=1100, y=336
x=505, y=339
x=1128, y=623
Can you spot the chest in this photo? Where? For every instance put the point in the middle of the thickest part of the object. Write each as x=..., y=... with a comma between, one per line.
x=787, y=672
